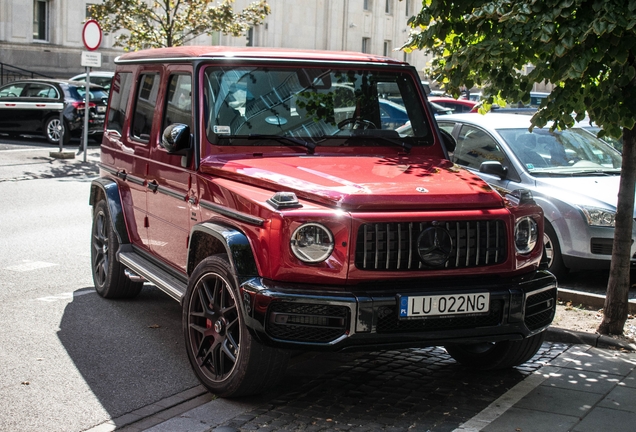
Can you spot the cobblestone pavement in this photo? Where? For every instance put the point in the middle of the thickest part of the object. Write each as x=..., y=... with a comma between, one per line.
x=409, y=390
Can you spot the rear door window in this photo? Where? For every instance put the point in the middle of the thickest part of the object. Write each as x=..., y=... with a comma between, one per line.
x=120, y=95
x=178, y=101
x=148, y=90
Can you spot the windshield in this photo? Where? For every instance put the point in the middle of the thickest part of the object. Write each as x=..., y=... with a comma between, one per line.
x=569, y=151
x=96, y=93
x=320, y=106
x=616, y=143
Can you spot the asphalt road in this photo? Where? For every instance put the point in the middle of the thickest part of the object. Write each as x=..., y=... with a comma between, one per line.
x=70, y=360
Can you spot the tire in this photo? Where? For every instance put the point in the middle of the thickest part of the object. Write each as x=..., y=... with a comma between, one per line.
x=52, y=131
x=97, y=137
x=496, y=355
x=108, y=274
x=553, y=252
x=224, y=355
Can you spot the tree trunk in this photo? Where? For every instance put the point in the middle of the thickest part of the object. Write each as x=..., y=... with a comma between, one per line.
x=617, y=296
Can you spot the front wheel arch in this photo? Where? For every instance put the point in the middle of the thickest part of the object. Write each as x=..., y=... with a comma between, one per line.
x=210, y=238
x=554, y=258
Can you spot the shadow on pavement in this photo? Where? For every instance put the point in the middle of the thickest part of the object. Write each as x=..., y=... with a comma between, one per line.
x=414, y=389
x=129, y=352
x=64, y=168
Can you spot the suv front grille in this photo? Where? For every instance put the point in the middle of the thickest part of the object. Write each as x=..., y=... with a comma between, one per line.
x=388, y=321
x=394, y=246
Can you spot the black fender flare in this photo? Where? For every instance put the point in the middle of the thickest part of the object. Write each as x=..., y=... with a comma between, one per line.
x=110, y=190
x=230, y=241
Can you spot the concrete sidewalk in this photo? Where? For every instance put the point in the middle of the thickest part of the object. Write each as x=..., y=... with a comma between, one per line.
x=585, y=389
x=34, y=163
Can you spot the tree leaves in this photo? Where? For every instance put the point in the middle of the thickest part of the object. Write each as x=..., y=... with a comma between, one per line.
x=172, y=23
x=573, y=43
x=585, y=48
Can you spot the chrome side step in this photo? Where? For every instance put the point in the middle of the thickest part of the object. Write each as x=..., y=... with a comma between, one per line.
x=166, y=282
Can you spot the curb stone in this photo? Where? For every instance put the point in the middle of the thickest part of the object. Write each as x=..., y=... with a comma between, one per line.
x=556, y=334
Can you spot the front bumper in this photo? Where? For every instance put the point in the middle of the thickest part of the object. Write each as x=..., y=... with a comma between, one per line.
x=366, y=316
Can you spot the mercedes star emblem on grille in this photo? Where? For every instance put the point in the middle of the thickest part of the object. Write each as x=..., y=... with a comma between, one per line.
x=434, y=246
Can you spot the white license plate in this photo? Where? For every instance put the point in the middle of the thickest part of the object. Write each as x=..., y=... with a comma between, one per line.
x=101, y=109
x=447, y=304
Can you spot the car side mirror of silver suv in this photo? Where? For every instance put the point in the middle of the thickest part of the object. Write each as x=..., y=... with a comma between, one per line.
x=493, y=168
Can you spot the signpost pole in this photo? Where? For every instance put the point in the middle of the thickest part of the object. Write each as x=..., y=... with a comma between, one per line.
x=87, y=98
x=92, y=38
x=62, y=131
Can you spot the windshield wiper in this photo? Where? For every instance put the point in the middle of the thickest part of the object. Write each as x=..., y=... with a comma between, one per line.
x=286, y=140
x=406, y=146
x=575, y=174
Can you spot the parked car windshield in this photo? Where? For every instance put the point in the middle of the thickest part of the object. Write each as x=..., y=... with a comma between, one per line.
x=569, y=151
x=96, y=93
x=319, y=106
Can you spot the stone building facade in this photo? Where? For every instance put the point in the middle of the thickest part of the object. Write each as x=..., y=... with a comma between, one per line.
x=45, y=36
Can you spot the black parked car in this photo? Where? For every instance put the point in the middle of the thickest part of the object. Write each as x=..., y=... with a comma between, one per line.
x=34, y=105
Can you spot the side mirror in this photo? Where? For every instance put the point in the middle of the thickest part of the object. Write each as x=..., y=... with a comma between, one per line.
x=176, y=138
x=448, y=141
x=493, y=168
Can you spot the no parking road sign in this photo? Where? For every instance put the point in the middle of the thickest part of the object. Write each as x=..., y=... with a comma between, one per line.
x=92, y=35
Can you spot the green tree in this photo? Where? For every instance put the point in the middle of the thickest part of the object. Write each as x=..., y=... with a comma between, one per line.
x=586, y=48
x=166, y=23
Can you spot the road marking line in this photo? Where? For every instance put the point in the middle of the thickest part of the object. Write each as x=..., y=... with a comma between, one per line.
x=30, y=265
x=23, y=150
x=65, y=296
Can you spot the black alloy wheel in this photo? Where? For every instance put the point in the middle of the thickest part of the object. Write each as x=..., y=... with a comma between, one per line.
x=109, y=274
x=224, y=355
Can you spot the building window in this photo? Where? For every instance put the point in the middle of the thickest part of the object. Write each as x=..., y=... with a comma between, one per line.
x=40, y=18
x=250, y=37
x=388, y=6
x=407, y=6
x=387, y=48
x=366, y=45
x=368, y=4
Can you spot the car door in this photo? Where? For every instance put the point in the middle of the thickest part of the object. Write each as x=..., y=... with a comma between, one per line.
x=39, y=101
x=475, y=146
x=171, y=192
x=11, y=107
x=126, y=144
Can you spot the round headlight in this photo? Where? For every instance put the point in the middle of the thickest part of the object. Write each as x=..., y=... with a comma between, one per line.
x=526, y=235
x=312, y=243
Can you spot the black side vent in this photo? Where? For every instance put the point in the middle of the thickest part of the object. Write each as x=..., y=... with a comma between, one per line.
x=540, y=309
x=307, y=322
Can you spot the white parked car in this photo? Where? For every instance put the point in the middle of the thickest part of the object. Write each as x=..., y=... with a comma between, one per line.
x=100, y=78
x=573, y=176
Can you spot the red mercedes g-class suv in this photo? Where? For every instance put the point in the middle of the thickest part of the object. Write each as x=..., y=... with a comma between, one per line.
x=273, y=195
